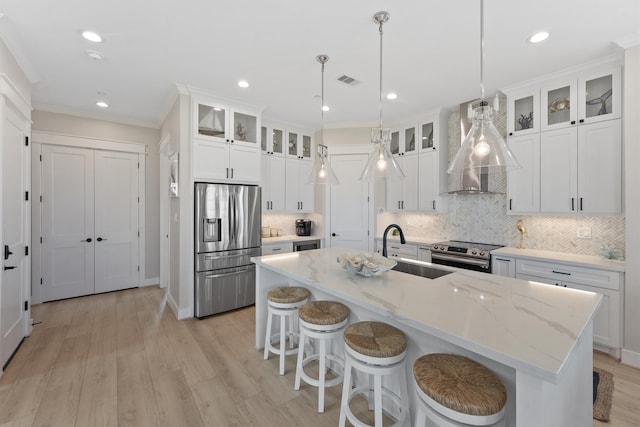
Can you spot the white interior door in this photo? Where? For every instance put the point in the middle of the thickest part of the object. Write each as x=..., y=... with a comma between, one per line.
x=67, y=222
x=13, y=289
x=349, y=203
x=116, y=221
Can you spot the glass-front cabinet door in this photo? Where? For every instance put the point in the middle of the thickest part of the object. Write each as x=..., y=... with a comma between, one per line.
x=522, y=112
x=559, y=104
x=394, y=145
x=277, y=141
x=245, y=128
x=292, y=144
x=306, y=146
x=212, y=121
x=409, y=140
x=263, y=139
x=599, y=96
x=426, y=136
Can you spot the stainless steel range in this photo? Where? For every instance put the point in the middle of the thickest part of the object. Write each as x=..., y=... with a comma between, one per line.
x=468, y=255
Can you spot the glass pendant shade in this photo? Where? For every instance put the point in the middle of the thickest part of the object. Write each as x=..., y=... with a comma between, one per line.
x=321, y=173
x=381, y=163
x=483, y=146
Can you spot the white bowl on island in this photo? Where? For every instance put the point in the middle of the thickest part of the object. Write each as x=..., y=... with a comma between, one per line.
x=365, y=263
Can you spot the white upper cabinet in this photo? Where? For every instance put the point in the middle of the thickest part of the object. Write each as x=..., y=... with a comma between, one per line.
x=600, y=95
x=222, y=123
x=523, y=185
x=299, y=144
x=523, y=111
x=402, y=194
x=225, y=142
x=272, y=140
x=591, y=97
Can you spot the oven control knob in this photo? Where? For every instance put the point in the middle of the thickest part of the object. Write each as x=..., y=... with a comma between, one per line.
x=482, y=253
x=473, y=252
x=436, y=247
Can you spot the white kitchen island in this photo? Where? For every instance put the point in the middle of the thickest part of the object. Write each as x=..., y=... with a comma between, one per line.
x=536, y=338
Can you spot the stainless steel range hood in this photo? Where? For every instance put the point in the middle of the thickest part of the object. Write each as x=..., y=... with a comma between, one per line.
x=479, y=180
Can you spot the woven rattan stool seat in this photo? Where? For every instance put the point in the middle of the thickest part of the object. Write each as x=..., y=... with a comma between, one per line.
x=288, y=294
x=375, y=339
x=460, y=384
x=323, y=312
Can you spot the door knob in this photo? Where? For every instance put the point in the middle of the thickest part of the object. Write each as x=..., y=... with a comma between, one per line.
x=88, y=240
x=333, y=234
x=7, y=252
x=100, y=239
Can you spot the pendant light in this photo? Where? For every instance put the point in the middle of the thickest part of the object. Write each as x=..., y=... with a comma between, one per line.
x=381, y=163
x=321, y=172
x=483, y=145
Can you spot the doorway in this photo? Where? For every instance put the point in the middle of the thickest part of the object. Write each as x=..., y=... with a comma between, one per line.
x=349, y=203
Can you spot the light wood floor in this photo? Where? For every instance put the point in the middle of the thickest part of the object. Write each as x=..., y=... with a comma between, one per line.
x=122, y=359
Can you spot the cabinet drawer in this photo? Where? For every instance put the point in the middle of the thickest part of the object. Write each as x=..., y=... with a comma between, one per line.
x=581, y=275
x=277, y=248
x=396, y=249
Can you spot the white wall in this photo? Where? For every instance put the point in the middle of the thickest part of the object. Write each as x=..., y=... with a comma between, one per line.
x=10, y=67
x=80, y=126
x=631, y=352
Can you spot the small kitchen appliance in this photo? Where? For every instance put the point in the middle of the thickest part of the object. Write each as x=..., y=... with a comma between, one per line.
x=467, y=255
x=303, y=227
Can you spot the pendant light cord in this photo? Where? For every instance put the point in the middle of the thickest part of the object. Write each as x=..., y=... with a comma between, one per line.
x=481, y=52
x=381, y=22
x=322, y=107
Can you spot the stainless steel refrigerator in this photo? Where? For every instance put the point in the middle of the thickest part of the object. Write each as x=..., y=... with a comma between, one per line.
x=227, y=234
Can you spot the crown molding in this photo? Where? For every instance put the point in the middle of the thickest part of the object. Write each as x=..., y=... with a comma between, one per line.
x=628, y=41
x=95, y=116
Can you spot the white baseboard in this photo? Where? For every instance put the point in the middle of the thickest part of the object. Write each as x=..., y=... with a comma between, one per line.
x=180, y=314
x=631, y=358
x=153, y=281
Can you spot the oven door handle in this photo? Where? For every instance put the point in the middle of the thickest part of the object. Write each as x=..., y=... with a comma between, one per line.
x=481, y=263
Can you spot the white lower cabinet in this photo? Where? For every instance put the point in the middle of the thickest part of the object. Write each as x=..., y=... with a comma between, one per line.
x=424, y=253
x=607, y=324
x=277, y=248
x=396, y=249
x=503, y=266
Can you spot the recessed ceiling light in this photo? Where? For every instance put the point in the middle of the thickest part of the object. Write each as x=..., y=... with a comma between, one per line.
x=392, y=95
x=325, y=108
x=91, y=36
x=243, y=83
x=102, y=104
x=95, y=55
x=538, y=37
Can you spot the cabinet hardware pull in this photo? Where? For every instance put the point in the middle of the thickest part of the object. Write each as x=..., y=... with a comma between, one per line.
x=503, y=259
x=100, y=239
x=11, y=267
x=581, y=120
x=227, y=172
x=88, y=240
x=510, y=204
x=434, y=205
x=276, y=249
x=572, y=204
x=561, y=272
x=573, y=122
x=7, y=252
x=580, y=203
x=231, y=173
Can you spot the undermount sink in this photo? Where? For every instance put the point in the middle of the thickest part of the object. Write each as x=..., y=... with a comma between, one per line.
x=420, y=270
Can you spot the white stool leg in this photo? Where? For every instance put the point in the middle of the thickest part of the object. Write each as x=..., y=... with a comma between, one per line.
x=292, y=330
x=322, y=374
x=421, y=418
x=404, y=396
x=299, y=363
x=283, y=337
x=346, y=389
x=377, y=391
x=267, y=339
x=370, y=399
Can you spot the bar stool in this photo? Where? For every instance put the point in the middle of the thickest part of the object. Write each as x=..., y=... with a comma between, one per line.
x=456, y=391
x=378, y=350
x=323, y=321
x=285, y=302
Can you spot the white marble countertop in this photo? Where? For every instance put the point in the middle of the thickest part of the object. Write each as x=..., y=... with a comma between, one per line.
x=527, y=326
x=289, y=238
x=563, y=257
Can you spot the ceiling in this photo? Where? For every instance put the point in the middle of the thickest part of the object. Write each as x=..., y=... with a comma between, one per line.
x=431, y=52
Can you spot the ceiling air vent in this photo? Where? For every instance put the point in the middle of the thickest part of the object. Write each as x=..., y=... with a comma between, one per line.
x=348, y=80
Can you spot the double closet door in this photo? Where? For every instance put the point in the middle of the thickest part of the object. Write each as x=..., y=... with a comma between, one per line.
x=90, y=227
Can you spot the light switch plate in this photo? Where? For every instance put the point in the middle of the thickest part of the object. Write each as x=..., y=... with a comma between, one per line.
x=584, y=233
